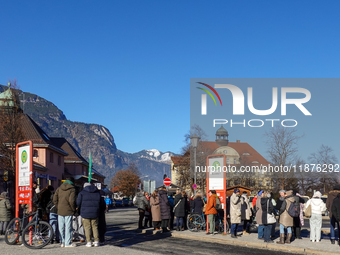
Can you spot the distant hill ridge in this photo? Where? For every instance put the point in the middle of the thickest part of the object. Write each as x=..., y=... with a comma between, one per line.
x=106, y=158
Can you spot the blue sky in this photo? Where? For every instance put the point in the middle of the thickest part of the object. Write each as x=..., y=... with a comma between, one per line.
x=127, y=64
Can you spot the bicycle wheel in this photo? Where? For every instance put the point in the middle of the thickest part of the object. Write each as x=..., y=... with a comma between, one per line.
x=195, y=222
x=37, y=235
x=12, y=232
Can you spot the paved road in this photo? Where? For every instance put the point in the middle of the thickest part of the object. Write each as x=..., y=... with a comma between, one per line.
x=122, y=238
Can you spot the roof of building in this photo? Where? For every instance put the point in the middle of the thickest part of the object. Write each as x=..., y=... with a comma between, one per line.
x=35, y=134
x=73, y=155
x=246, y=152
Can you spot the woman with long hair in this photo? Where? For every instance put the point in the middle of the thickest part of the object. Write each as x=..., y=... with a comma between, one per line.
x=155, y=210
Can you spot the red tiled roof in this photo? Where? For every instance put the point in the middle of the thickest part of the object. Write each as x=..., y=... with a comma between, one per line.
x=243, y=149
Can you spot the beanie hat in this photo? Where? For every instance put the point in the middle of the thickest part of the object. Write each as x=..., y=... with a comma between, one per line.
x=336, y=187
x=236, y=191
x=260, y=192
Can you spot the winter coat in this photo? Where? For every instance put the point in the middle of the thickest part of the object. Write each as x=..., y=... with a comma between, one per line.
x=331, y=196
x=164, y=205
x=336, y=208
x=89, y=202
x=279, y=203
x=155, y=209
x=245, y=208
x=5, y=209
x=198, y=205
x=285, y=219
x=181, y=208
x=236, y=203
x=258, y=209
x=65, y=199
x=102, y=220
x=210, y=207
x=267, y=208
x=141, y=202
x=318, y=206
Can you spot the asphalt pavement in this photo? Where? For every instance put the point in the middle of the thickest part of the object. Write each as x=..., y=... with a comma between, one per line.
x=123, y=238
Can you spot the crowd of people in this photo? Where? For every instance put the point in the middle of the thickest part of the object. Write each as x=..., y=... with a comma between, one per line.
x=289, y=211
x=73, y=215
x=80, y=216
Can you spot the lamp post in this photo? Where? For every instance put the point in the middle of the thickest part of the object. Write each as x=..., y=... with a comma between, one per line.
x=194, y=143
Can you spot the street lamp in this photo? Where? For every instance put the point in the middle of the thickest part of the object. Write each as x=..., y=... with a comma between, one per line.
x=194, y=143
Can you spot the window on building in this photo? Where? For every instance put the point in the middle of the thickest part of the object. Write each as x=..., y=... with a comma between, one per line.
x=51, y=157
x=234, y=160
x=268, y=182
x=228, y=161
x=59, y=160
x=260, y=183
x=35, y=153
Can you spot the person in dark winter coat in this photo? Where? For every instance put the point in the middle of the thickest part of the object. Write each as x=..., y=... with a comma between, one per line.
x=198, y=204
x=296, y=220
x=165, y=208
x=336, y=210
x=172, y=215
x=141, y=203
x=102, y=221
x=267, y=208
x=180, y=207
x=89, y=203
x=329, y=202
x=64, y=199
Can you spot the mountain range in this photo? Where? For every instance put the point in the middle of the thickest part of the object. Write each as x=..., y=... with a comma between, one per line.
x=106, y=157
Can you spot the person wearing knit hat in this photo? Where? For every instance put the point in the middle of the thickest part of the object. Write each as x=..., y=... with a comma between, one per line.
x=315, y=222
x=5, y=212
x=329, y=202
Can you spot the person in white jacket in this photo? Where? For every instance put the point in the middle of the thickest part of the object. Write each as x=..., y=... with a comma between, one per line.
x=315, y=222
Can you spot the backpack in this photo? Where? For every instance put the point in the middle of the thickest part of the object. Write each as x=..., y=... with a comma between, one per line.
x=293, y=210
x=218, y=203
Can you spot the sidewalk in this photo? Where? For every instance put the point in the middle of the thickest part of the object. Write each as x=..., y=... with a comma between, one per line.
x=302, y=246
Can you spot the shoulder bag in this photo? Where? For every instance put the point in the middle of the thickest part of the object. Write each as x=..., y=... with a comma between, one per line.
x=270, y=216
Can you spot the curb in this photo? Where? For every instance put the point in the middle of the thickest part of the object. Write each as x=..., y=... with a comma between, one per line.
x=264, y=246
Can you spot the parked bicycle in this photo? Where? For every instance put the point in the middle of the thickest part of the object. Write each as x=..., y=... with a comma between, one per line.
x=197, y=222
x=35, y=235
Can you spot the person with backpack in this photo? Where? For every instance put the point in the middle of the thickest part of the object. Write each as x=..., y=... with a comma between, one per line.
x=180, y=209
x=315, y=221
x=298, y=220
x=287, y=211
x=236, y=203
